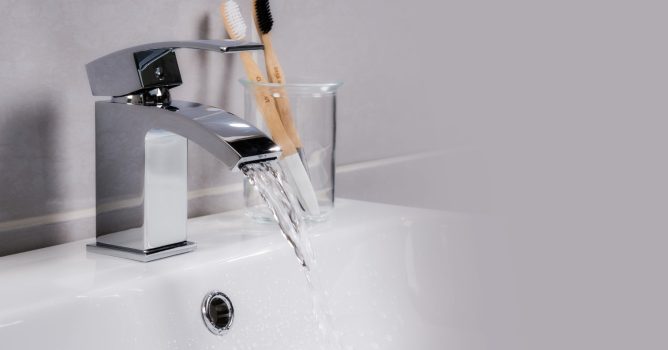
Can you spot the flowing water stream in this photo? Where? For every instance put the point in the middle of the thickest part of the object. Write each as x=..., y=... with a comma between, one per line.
x=268, y=179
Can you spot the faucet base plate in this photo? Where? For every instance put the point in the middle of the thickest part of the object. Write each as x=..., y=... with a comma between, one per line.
x=141, y=255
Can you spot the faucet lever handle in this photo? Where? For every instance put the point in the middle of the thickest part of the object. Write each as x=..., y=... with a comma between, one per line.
x=149, y=66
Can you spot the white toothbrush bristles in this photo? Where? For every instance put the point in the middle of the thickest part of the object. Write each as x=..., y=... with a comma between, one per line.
x=236, y=26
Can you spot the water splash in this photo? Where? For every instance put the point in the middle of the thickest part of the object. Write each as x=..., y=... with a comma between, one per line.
x=269, y=180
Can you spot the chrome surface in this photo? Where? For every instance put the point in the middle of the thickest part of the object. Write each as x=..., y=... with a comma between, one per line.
x=155, y=97
x=217, y=312
x=141, y=156
x=143, y=256
x=149, y=66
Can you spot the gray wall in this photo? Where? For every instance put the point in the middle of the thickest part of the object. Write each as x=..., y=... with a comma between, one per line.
x=500, y=108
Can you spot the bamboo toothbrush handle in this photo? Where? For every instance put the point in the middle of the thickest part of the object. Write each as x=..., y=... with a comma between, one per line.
x=285, y=113
x=274, y=70
x=275, y=73
x=267, y=106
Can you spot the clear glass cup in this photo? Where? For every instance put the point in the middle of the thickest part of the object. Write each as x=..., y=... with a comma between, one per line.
x=313, y=109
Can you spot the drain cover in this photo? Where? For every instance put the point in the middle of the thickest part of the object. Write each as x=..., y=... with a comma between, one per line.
x=217, y=312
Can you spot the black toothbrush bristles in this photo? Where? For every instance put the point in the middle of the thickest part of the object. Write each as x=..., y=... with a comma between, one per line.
x=263, y=16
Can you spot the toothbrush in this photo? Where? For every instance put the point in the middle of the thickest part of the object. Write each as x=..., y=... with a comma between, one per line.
x=290, y=159
x=264, y=22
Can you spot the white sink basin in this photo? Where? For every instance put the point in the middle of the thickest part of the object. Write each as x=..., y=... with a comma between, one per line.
x=398, y=278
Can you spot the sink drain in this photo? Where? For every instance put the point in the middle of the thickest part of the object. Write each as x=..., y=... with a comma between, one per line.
x=217, y=312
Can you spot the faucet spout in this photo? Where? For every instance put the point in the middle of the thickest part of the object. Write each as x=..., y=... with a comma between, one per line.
x=226, y=136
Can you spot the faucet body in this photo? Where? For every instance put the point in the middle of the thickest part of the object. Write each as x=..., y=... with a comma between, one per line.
x=141, y=151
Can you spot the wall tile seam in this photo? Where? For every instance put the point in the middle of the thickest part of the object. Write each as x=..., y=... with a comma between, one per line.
x=55, y=218
x=381, y=162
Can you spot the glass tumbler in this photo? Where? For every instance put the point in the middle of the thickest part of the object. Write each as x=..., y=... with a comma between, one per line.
x=313, y=110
